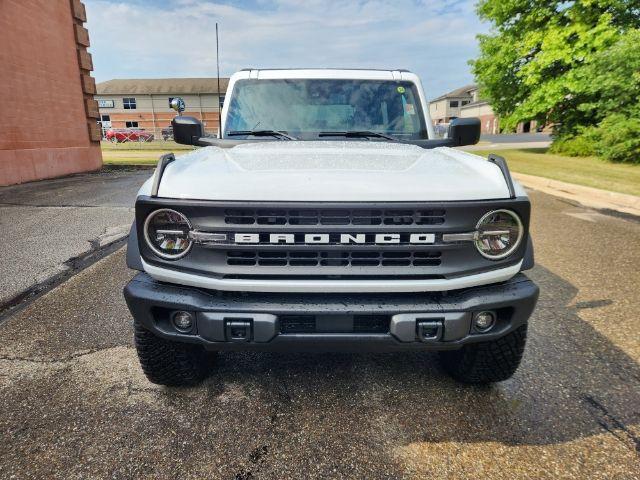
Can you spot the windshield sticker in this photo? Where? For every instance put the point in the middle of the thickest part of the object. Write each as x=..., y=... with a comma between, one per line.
x=409, y=108
x=401, y=89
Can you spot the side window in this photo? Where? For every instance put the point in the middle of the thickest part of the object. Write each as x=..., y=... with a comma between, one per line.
x=170, y=100
x=131, y=124
x=453, y=103
x=129, y=103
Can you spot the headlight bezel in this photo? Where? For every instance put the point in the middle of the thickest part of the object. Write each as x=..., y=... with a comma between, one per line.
x=513, y=247
x=150, y=244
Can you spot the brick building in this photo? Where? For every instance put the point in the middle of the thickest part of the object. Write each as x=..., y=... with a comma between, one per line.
x=489, y=123
x=48, y=117
x=144, y=103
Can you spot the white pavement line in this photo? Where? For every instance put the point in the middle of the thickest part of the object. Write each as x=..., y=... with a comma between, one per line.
x=587, y=196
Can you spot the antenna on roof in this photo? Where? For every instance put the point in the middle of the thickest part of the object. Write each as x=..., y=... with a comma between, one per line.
x=218, y=74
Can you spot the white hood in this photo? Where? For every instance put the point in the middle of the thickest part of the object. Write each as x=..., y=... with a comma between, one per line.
x=331, y=171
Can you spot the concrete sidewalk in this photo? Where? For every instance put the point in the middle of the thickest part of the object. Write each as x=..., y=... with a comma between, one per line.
x=47, y=227
x=506, y=145
x=587, y=196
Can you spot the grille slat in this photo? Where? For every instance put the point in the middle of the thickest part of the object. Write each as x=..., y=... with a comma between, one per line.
x=319, y=258
x=337, y=217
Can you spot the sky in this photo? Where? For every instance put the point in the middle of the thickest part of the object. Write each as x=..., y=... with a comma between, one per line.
x=176, y=38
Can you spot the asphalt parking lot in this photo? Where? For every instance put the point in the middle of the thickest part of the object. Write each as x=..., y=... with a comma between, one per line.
x=76, y=405
x=49, y=228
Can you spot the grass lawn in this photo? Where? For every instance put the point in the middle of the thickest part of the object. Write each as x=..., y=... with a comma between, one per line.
x=132, y=157
x=139, y=153
x=587, y=171
x=168, y=146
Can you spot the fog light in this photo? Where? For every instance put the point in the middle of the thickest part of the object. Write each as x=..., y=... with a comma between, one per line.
x=183, y=321
x=484, y=321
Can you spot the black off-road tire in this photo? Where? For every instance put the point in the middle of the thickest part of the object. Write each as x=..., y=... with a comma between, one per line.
x=174, y=364
x=486, y=362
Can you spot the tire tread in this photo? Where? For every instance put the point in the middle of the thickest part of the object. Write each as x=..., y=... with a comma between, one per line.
x=170, y=363
x=487, y=362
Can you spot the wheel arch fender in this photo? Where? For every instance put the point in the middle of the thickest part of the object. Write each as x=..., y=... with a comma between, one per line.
x=133, y=250
x=528, y=260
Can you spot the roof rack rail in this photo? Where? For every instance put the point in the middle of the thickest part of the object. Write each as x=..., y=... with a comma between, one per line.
x=502, y=165
x=165, y=160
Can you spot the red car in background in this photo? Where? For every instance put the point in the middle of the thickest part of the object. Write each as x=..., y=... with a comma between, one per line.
x=119, y=135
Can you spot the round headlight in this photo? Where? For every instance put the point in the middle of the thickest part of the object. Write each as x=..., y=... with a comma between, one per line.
x=498, y=234
x=167, y=233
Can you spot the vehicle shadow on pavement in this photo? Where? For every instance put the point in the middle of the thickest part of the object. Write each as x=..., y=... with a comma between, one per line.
x=573, y=383
x=90, y=412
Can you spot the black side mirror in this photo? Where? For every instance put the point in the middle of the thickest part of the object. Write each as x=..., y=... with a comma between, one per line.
x=464, y=131
x=187, y=130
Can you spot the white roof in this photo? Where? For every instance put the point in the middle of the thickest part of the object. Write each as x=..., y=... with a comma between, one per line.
x=355, y=73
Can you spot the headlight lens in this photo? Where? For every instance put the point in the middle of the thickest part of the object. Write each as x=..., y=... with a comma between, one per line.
x=498, y=234
x=167, y=233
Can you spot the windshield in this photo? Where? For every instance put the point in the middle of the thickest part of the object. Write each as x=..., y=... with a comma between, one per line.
x=306, y=108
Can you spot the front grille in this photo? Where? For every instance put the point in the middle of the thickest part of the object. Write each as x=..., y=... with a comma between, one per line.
x=250, y=216
x=365, y=323
x=315, y=258
x=334, y=241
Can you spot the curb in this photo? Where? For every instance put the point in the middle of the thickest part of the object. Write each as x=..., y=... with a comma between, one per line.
x=587, y=196
x=59, y=275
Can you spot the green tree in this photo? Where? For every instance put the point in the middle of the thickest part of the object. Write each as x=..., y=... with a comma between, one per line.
x=610, y=83
x=550, y=60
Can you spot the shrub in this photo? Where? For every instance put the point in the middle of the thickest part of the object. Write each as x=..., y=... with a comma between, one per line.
x=616, y=138
x=584, y=144
x=579, y=146
x=619, y=138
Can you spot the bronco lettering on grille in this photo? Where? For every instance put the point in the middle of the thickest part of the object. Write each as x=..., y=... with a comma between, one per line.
x=266, y=238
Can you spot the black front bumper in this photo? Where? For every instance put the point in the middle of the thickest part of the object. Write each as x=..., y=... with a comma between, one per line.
x=391, y=322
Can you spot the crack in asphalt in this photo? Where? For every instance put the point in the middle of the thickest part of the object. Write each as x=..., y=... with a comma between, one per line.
x=611, y=424
x=62, y=205
x=51, y=361
x=258, y=456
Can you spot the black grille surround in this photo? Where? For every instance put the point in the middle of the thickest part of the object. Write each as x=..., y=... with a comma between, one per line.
x=333, y=261
x=335, y=216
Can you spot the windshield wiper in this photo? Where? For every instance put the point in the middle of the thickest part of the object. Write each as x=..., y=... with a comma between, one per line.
x=358, y=134
x=262, y=133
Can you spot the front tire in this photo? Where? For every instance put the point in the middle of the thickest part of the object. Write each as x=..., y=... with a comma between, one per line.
x=173, y=364
x=486, y=362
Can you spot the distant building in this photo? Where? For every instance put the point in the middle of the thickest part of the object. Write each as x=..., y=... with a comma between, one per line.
x=145, y=103
x=447, y=107
x=489, y=123
x=465, y=102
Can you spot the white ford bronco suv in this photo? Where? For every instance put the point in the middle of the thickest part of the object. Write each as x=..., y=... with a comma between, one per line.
x=326, y=216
